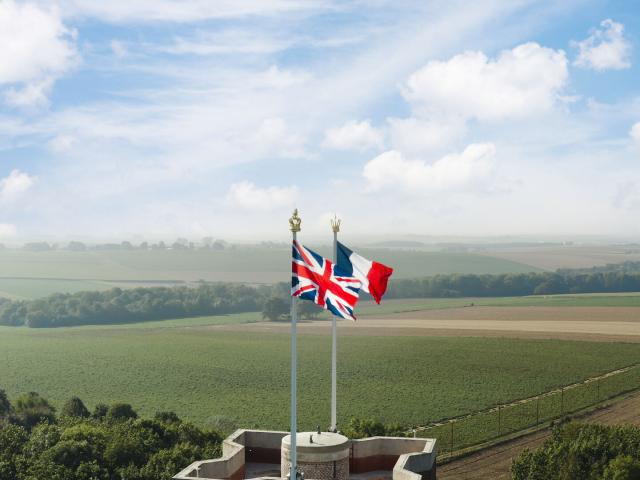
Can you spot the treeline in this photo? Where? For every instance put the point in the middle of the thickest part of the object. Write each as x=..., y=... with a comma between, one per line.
x=627, y=267
x=513, y=284
x=110, y=443
x=583, y=452
x=158, y=303
x=134, y=305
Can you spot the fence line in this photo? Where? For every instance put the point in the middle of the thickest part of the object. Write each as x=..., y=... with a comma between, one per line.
x=477, y=427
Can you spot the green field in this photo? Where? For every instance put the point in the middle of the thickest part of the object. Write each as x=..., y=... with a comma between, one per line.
x=578, y=300
x=202, y=373
x=26, y=274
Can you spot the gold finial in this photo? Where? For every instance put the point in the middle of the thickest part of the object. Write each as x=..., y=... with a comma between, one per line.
x=295, y=221
x=335, y=224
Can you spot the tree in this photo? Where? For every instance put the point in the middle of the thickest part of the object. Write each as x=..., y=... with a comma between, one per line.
x=623, y=467
x=308, y=310
x=274, y=309
x=121, y=411
x=31, y=409
x=167, y=417
x=74, y=408
x=100, y=411
x=5, y=404
x=361, y=428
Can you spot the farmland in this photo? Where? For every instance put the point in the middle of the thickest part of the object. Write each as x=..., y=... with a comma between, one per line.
x=204, y=372
x=26, y=274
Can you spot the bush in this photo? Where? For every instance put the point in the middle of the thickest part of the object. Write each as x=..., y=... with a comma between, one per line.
x=74, y=408
x=583, y=452
x=121, y=411
x=31, y=409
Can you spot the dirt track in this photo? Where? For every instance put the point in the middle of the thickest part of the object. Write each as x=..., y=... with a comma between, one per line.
x=576, y=323
x=495, y=462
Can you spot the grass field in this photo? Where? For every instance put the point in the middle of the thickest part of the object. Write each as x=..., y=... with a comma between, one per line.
x=25, y=274
x=201, y=374
x=583, y=300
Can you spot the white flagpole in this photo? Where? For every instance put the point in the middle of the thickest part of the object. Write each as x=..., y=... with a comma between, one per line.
x=335, y=226
x=294, y=225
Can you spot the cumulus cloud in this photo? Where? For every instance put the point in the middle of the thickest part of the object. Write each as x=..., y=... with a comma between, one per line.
x=524, y=81
x=14, y=185
x=604, y=49
x=7, y=230
x=635, y=132
x=36, y=49
x=454, y=172
x=247, y=195
x=353, y=135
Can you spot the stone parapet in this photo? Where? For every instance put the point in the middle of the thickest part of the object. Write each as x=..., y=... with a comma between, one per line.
x=403, y=458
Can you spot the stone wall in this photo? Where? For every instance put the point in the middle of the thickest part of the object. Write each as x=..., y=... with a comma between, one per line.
x=407, y=458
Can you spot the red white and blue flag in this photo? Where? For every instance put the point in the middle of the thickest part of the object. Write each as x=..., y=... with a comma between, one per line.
x=317, y=279
x=373, y=275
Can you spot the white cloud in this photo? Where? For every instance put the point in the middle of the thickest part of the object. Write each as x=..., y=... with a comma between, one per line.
x=61, y=143
x=33, y=94
x=14, y=185
x=359, y=136
x=7, y=230
x=415, y=136
x=226, y=42
x=635, y=132
x=520, y=82
x=36, y=48
x=627, y=196
x=247, y=195
x=119, y=48
x=605, y=49
x=183, y=10
x=275, y=138
x=453, y=172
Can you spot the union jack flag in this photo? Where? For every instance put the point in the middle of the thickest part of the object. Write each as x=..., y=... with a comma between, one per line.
x=317, y=279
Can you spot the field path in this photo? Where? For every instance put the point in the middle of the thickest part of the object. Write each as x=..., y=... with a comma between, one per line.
x=564, y=323
x=495, y=462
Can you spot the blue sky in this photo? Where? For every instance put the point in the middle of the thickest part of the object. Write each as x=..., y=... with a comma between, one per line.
x=159, y=118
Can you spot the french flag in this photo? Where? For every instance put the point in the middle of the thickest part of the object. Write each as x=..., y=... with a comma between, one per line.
x=373, y=275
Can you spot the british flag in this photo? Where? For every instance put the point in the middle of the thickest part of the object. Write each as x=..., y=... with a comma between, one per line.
x=317, y=279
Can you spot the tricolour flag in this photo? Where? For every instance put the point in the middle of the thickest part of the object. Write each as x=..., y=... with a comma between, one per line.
x=373, y=275
x=317, y=279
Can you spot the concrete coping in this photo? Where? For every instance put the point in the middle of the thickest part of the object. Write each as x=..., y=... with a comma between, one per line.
x=314, y=441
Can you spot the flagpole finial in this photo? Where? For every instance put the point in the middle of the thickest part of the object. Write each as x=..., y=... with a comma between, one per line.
x=335, y=224
x=295, y=221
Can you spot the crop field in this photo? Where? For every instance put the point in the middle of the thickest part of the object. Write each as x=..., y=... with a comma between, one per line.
x=581, y=300
x=26, y=274
x=203, y=373
x=567, y=317
x=568, y=256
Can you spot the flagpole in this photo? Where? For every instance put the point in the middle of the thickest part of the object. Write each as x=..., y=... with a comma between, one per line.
x=294, y=226
x=335, y=226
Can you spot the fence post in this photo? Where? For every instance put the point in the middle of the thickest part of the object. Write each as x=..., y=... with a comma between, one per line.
x=451, y=450
x=562, y=402
x=499, y=420
x=538, y=410
x=598, y=389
